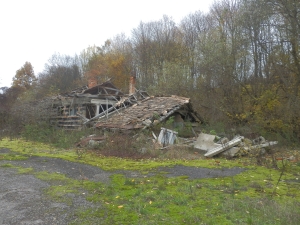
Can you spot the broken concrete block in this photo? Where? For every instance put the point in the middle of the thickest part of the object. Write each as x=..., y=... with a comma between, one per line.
x=205, y=142
x=223, y=140
x=231, y=152
x=247, y=142
x=259, y=140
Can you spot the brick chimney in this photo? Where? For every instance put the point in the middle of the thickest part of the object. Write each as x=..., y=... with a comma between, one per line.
x=92, y=81
x=132, y=85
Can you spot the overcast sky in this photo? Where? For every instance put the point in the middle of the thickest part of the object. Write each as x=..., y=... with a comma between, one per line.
x=33, y=30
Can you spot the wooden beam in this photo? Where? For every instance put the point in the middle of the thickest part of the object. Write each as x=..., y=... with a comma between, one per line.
x=99, y=115
x=83, y=117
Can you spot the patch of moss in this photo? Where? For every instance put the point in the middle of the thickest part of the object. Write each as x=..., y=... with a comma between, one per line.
x=13, y=156
x=7, y=165
x=180, y=200
x=22, y=170
x=110, y=163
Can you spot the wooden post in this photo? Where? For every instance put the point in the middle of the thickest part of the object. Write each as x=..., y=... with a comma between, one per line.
x=97, y=109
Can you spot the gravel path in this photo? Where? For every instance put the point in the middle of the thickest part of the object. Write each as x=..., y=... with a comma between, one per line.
x=22, y=200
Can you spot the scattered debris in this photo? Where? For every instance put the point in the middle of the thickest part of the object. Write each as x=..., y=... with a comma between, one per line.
x=231, y=152
x=224, y=147
x=238, y=145
x=205, y=142
x=90, y=141
x=167, y=137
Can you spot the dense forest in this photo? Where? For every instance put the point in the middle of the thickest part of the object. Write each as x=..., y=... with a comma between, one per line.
x=239, y=63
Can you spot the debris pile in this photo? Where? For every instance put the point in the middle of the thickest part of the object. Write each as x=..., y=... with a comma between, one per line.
x=90, y=141
x=214, y=145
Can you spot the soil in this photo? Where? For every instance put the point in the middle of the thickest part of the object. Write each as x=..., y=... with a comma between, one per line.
x=24, y=202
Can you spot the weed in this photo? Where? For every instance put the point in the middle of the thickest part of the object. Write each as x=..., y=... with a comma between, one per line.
x=12, y=156
x=261, y=211
x=80, y=152
x=213, y=132
x=170, y=122
x=22, y=170
x=283, y=169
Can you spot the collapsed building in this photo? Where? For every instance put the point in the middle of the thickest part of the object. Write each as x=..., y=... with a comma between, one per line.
x=104, y=106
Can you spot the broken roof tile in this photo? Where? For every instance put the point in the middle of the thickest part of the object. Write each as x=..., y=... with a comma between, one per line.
x=146, y=109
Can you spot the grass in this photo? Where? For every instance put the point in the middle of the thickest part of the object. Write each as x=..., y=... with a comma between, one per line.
x=27, y=149
x=263, y=211
x=161, y=200
x=13, y=156
x=7, y=165
x=259, y=195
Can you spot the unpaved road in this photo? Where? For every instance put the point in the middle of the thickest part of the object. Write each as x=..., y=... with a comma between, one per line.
x=23, y=201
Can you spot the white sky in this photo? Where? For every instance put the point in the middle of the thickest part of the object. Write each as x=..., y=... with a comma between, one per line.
x=33, y=30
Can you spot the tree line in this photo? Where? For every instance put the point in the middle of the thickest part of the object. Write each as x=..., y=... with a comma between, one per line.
x=239, y=63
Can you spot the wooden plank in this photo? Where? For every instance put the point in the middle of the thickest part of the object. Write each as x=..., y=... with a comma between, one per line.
x=83, y=117
x=169, y=113
x=103, y=101
x=69, y=125
x=65, y=117
x=68, y=121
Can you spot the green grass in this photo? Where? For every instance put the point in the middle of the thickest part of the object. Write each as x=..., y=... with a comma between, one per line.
x=259, y=195
x=25, y=149
x=161, y=200
x=6, y=165
x=12, y=156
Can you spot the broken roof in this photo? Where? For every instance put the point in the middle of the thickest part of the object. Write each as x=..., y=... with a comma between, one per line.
x=146, y=111
x=137, y=110
x=105, y=89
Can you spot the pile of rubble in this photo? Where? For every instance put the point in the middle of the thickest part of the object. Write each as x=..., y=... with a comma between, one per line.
x=90, y=141
x=214, y=145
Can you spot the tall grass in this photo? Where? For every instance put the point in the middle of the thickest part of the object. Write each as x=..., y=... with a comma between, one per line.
x=47, y=134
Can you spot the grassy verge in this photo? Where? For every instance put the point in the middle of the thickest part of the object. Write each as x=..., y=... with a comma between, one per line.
x=26, y=149
x=260, y=195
